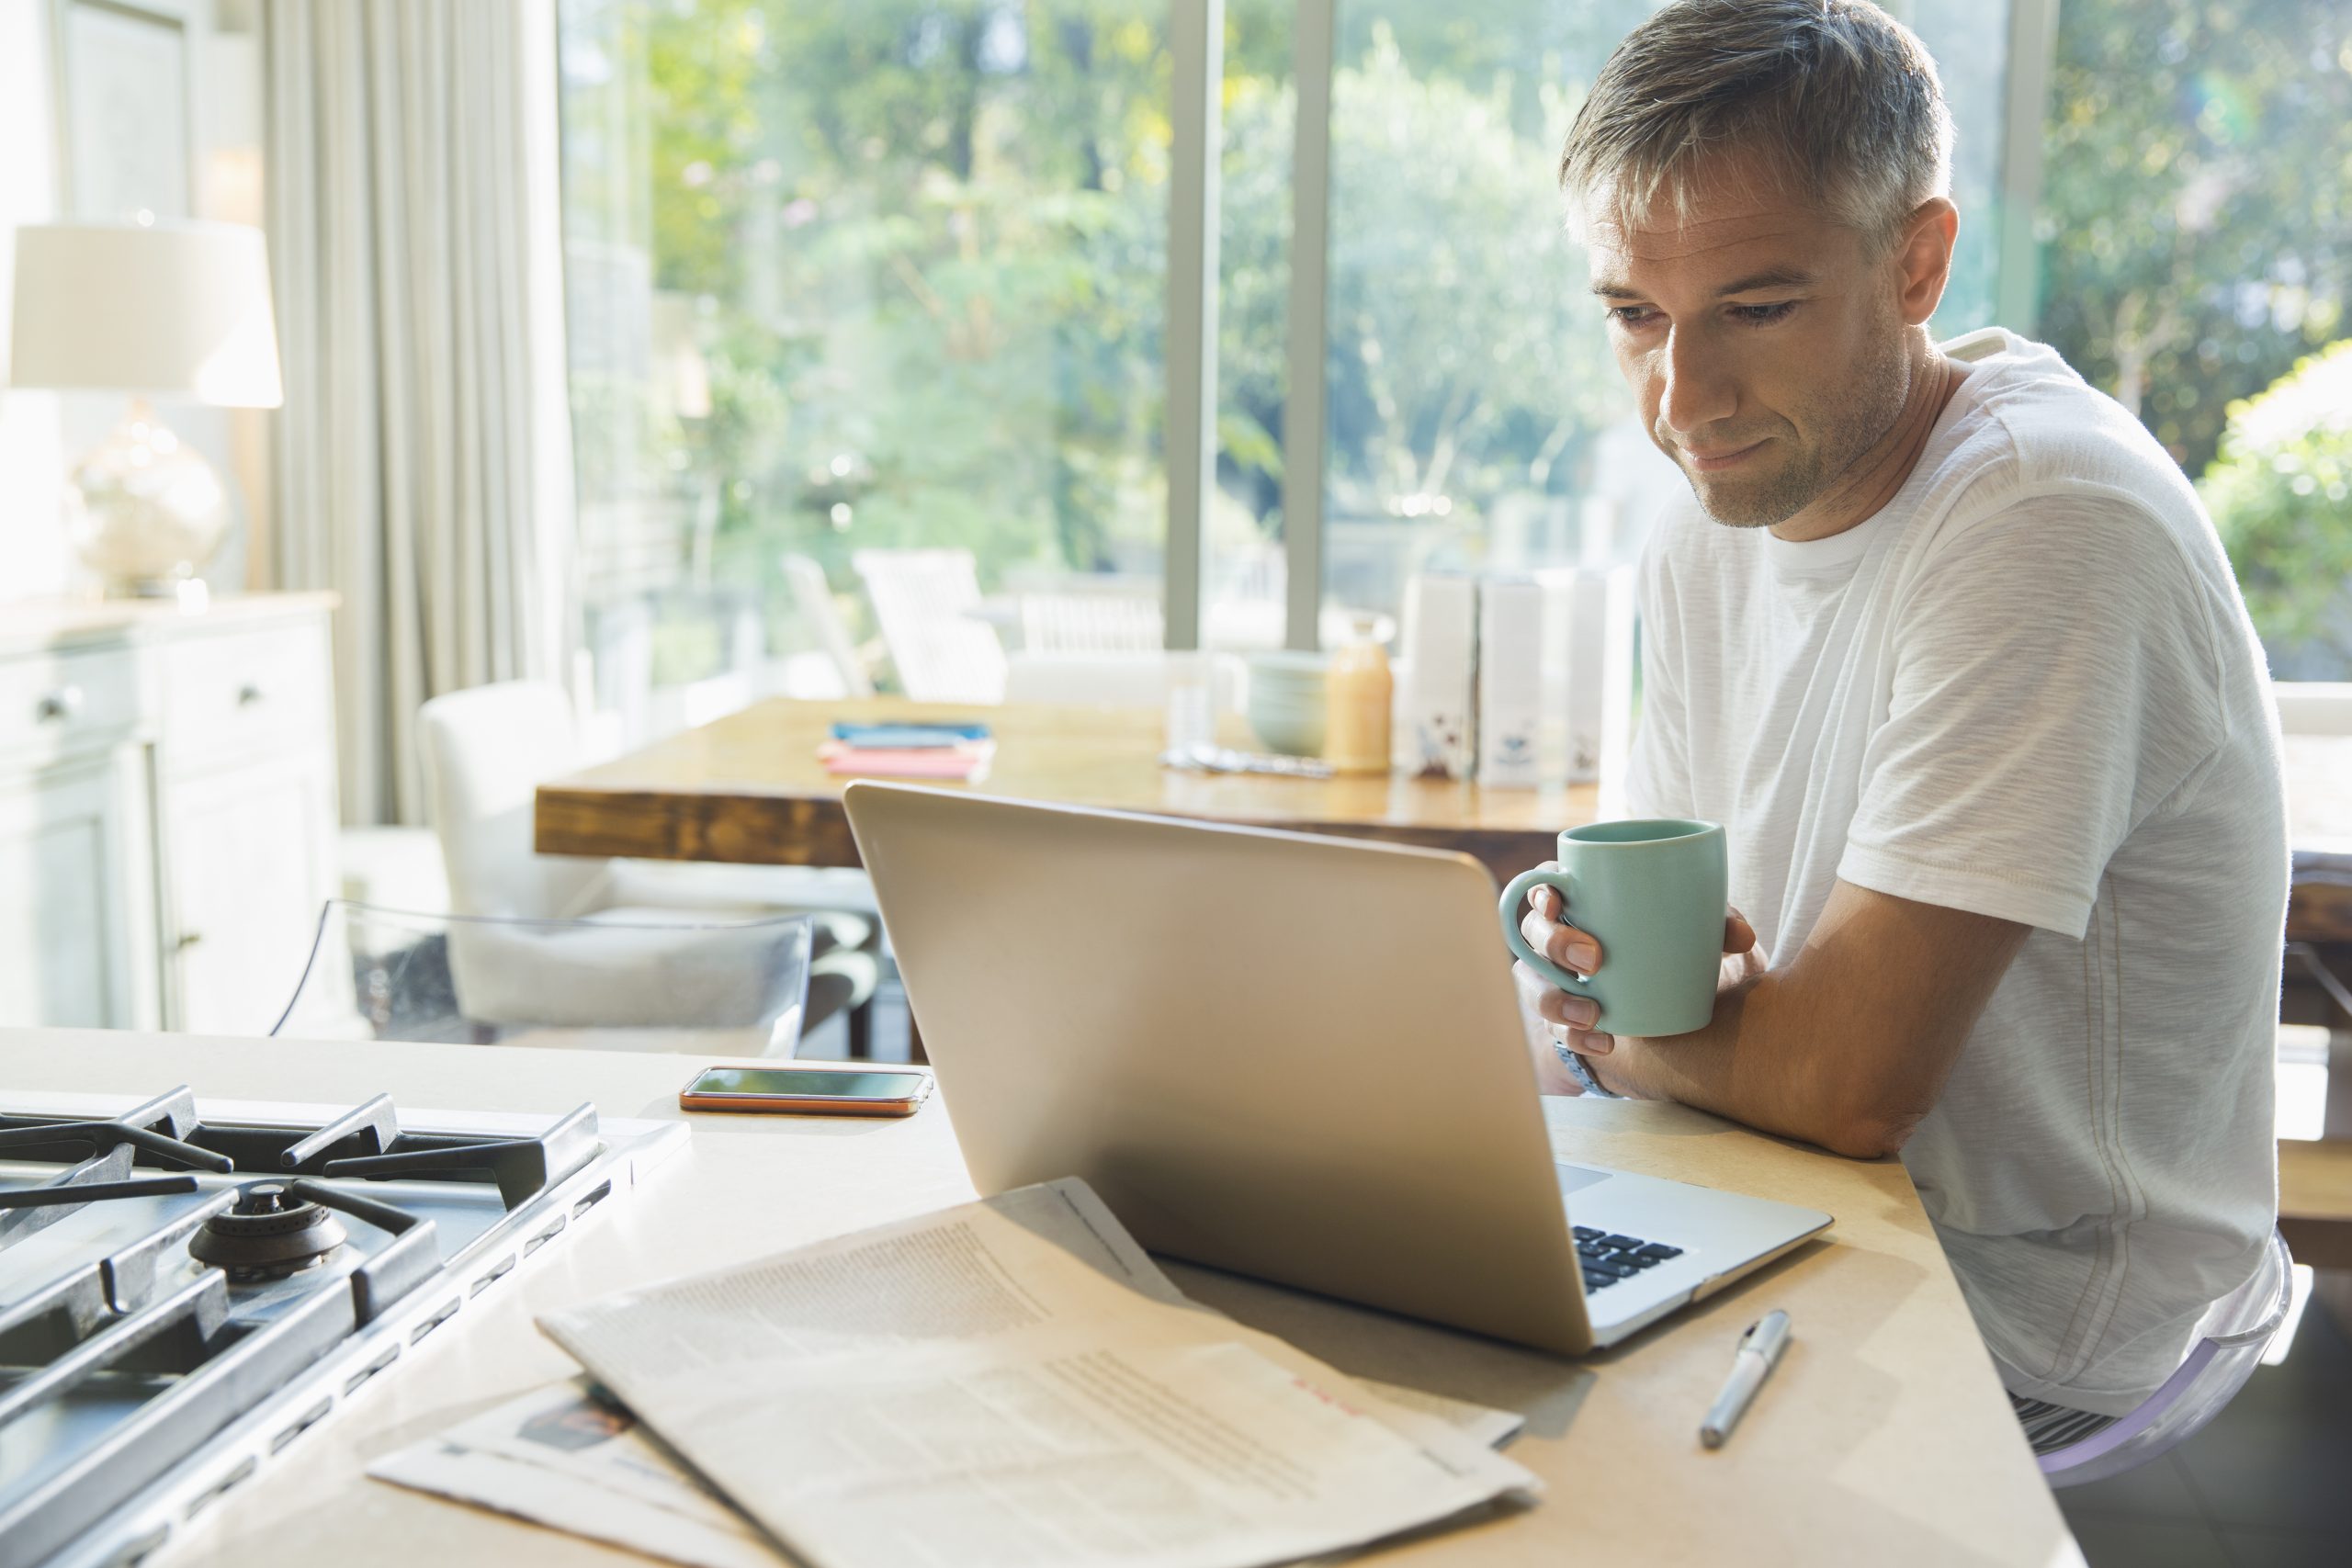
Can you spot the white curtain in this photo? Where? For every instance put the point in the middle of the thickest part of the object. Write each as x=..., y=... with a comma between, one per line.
x=425, y=459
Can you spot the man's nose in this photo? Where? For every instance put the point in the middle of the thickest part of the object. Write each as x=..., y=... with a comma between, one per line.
x=1697, y=393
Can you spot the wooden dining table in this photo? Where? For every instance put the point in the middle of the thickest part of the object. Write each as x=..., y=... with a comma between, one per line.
x=749, y=788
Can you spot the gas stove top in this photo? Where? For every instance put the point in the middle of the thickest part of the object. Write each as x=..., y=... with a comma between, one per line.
x=186, y=1288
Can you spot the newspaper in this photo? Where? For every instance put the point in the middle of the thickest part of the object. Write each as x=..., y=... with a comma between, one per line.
x=566, y=1457
x=570, y=1457
x=1015, y=1382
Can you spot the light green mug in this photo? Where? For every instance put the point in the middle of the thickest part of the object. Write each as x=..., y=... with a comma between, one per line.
x=1655, y=894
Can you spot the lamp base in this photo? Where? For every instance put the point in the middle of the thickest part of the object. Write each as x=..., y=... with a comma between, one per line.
x=147, y=510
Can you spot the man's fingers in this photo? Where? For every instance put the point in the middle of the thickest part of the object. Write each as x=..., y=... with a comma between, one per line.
x=1563, y=944
x=1586, y=1042
x=1738, y=935
x=1572, y=949
x=1543, y=898
x=1568, y=1011
x=1560, y=1009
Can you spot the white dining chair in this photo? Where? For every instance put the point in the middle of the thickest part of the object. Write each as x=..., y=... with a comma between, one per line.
x=1113, y=680
x=925, y=600
x=812, y=597
x=1091, y=623
x=486, y=751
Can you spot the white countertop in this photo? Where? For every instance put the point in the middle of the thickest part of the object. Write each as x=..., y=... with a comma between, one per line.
x=1884, y=1439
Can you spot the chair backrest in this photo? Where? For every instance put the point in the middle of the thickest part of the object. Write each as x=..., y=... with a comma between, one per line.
x=1091, y=623
x=923, y=601
x=486, y=751
x=1112, y=680
x=814, y=597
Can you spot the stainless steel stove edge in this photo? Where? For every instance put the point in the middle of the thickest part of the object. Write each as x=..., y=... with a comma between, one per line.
x=184, y=1501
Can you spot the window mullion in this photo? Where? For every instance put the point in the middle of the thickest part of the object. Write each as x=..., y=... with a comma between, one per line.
x=1196, y=51
x=2033, y=48
x=1313, y=53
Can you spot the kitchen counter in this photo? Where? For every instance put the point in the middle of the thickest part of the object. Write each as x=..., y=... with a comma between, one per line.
x=1884, y=1438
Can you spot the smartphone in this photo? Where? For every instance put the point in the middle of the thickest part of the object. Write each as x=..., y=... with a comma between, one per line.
x=808, y=1091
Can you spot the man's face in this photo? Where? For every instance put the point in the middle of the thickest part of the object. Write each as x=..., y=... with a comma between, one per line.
x=1764, y=340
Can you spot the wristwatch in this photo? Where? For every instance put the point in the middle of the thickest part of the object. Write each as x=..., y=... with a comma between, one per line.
x=1581, y=1070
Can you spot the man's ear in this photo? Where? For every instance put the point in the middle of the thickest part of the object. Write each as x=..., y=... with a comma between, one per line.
x=1922, y=258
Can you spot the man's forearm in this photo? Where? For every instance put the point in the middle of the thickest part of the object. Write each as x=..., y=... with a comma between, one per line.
x=1743, y=1067
x=1847, y=1047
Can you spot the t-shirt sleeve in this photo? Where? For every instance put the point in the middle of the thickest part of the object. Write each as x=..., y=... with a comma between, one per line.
x=2054, y=679
x=1657, y=773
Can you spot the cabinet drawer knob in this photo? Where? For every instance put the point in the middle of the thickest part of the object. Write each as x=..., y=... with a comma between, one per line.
x=58, y=706
x=187, y=941
x=248, y=694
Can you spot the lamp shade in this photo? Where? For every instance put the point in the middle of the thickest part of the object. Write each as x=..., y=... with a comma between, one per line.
x=176, y=309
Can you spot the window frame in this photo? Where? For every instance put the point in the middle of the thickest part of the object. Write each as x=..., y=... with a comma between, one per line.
x=1196, y=32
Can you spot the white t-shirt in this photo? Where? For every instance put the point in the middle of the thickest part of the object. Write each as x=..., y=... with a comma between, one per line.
x=2028, y=688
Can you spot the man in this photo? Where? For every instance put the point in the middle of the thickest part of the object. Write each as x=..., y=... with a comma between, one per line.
x=1949, y=645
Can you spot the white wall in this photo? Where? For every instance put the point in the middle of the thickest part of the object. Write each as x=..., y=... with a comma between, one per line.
x=32, y=544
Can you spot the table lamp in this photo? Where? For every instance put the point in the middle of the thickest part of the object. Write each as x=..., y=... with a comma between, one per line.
x=156, y=308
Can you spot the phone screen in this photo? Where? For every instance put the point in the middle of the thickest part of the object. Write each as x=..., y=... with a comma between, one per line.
x=805, y=1084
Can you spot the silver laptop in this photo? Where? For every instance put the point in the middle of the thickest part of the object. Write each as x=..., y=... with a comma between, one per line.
x=1294, y=1057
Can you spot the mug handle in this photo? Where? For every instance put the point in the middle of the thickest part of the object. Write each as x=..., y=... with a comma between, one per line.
x=1512, y=896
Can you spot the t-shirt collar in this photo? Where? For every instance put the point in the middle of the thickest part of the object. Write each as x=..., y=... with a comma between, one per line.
x=1836, y=556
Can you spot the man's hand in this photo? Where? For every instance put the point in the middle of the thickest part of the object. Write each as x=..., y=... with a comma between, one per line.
x=1846, y=1044
x=1569, y=1018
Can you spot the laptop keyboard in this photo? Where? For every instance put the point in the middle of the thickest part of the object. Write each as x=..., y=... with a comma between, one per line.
x=1609, y=1257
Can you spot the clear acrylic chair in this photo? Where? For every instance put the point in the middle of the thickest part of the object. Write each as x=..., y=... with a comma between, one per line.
x=734, y=989
x=2229, y=1342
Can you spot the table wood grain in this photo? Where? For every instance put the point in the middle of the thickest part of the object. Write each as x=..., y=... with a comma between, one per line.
x=749, y=787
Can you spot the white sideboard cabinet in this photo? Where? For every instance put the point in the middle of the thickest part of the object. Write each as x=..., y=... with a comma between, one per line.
x=167, y=810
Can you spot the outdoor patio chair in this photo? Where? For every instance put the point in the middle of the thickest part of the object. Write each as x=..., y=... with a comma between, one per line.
x=923, y=600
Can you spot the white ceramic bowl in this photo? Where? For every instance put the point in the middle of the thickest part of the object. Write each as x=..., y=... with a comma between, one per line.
x=1286, y=700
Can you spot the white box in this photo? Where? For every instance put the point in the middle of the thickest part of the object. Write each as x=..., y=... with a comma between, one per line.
x=1510, y=683
x=1600, y=671
x=1437, y=727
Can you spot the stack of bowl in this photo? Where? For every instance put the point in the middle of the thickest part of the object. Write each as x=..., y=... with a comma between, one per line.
x=1286, y=701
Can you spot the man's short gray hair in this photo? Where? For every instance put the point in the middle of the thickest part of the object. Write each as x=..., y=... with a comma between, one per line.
x=1839, y=100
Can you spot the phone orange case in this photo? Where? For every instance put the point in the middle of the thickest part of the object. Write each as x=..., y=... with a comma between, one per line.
x=803, y=1104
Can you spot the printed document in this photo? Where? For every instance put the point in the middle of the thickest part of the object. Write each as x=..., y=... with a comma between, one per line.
x=563, y=1457
x=1015, y=1383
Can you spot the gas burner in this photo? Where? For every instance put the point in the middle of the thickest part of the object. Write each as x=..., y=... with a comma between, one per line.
x=268, y=1233
x=158, y=1345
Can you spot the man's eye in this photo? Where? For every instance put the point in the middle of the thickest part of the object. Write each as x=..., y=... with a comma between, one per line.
x=1763, y=315
x=1631, y=315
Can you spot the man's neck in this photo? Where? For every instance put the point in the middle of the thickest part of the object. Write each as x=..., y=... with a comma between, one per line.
x=1876, y=477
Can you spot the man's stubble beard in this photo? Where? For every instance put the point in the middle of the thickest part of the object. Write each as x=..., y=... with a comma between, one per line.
x=1850, y=420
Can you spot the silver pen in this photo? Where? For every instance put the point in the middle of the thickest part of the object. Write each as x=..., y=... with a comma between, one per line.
x=1759, y=1352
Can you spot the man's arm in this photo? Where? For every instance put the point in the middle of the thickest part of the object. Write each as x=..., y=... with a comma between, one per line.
x=1847, y=1044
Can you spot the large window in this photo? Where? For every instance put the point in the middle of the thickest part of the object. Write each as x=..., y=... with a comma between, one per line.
x=2197, y=236
x=896, y=275
x=853, y=277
